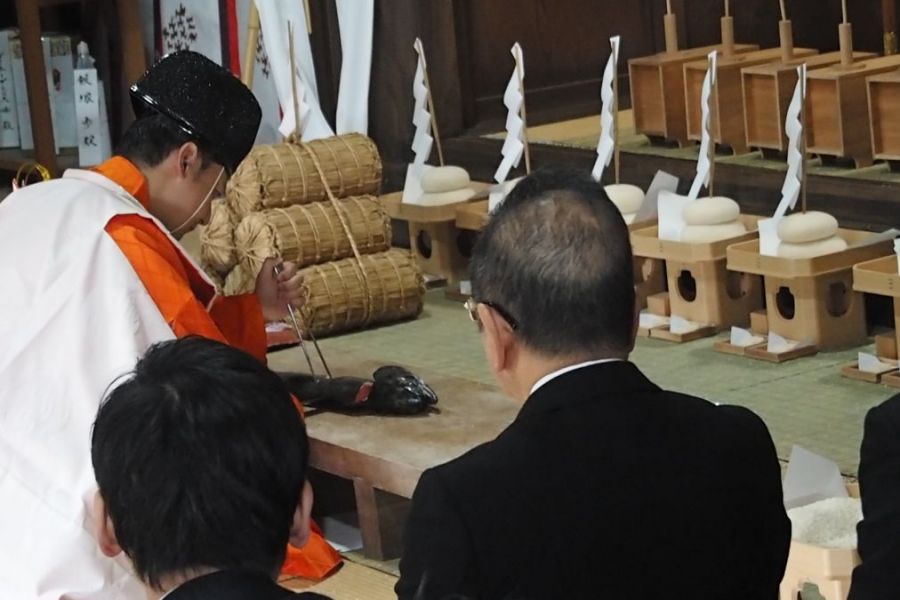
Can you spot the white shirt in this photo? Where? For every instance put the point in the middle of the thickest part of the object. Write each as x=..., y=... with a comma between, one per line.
x=550, y=376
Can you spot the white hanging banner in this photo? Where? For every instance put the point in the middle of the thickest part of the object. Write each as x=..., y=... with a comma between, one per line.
x=704, y=166
x=422, y=139
x=356, y=19
x=191, y=25
x=263, y=84
x=513, y=98
x=790, y=192
x=9, y=118
x=608, y=133
x=274, y=16
x=23, y=111
x=87, y=114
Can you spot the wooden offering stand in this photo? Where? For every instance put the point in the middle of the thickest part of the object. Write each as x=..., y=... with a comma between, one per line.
x=433, y=235
x=767, y=89
x=830, y=569
x=728, y=124
x=701, y=289
x=810, y=299
x=880, y=277
x=649, y=273
x=884, y=98
x=657, y=84
x=837, y=103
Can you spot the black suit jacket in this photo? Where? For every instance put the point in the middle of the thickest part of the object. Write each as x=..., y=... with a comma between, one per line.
x=604, y=486
x=237, y=585
x=878, y=576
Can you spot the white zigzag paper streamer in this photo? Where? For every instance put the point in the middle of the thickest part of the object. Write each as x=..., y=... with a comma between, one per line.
x=608, y=133
x=513, y=97
x=790, y=192
x=703, y=163
x=422, y=140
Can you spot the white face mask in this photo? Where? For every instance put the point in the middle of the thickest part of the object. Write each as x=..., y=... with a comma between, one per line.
x=206, y=200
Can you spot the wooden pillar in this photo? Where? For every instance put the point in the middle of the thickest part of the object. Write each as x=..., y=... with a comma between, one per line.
x=29, y=18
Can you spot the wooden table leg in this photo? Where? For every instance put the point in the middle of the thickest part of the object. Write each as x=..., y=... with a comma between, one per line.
x=382, y=517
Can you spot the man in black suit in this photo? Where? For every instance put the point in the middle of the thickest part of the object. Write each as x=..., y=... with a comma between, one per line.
x=201, y=458
x=878, y=533
x=605, y=485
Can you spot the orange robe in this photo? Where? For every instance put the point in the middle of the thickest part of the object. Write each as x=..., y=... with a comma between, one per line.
x=183, y=297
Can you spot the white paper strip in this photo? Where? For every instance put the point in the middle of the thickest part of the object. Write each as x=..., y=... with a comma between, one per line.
x=703, y=163
x=743, y=338
x=647, y=320
x=513, y=97
x=790, y=192
x=274, y=16
x=356, y=19
x=681, y=326
x=778, y=344
x=608, y=134
x=670, y=209
x=897, y=251
x=422, y=140
x=662, y=182
x=869, y=363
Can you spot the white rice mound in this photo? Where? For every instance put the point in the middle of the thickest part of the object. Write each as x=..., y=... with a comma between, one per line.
x=828, y=523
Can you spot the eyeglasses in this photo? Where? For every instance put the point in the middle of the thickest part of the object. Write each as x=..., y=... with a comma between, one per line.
x=471, y=307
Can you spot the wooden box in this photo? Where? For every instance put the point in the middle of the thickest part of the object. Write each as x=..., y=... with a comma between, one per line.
x=884, y=115
x=812, y=299
x=768, y=90
x=728, y=116
x=657, y=91
x=837, y=109
x=701, y=289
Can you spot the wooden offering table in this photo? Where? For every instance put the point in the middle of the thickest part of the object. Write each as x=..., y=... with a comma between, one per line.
x=768, y=90
x=657, y=91
x=727, y=126
x=433, y=235
x=701, y=289
x=811, y=300
x=880, y=277
x=384, y=456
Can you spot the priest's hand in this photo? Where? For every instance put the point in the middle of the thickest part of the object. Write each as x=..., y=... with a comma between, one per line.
x=275, y=291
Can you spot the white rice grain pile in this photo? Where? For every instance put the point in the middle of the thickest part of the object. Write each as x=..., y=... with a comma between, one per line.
x=828, y=523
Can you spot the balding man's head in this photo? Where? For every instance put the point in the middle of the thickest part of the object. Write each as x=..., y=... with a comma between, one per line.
x=556, y=258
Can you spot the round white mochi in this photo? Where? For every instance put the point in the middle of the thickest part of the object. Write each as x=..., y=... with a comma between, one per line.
x=704, y=234
x=444, y=179
x=441, y=198
x=627, y=198
x=801, y=228
x=716, y=210
x=629, y=218
x=812, y=249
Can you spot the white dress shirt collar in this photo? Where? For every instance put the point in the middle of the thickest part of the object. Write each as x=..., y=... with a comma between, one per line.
x=550, y=376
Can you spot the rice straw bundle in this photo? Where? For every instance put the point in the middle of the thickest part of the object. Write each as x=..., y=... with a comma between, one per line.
x=238, y=282
x=280, y=175
x=217, y=238
x=311, y=234
x=341, y=296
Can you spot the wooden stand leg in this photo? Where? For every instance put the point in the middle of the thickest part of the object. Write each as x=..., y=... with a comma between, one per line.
x=436, y=246
x=382, y=517
x=649, y=278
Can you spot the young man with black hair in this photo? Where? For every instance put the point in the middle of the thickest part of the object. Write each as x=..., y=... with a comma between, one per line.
x=605, y=485
x=201, y=461
x=93, y=273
